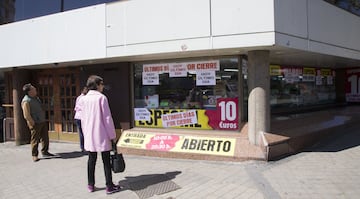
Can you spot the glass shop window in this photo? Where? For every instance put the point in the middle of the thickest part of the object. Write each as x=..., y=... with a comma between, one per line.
x=293, y=87
x=199, y=94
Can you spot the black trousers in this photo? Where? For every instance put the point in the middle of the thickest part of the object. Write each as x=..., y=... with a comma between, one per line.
x=107, y=167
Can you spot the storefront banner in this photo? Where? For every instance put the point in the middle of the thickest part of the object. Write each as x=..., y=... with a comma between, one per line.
x=213, y=65
x=157, y=122
x=225, y=117
x=352, y=85
x=309, y=75
x=150, y=78
x=178, y=143
x=159, y=68
x=142, y=114
x=205, y=78
x=178, y=70
x=179, y=118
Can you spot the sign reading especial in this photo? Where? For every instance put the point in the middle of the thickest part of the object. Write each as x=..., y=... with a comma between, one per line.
x=192, y=95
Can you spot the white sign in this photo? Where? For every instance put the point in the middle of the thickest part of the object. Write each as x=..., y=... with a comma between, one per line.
x=177, y=70
x=329, y=80
x=319, y=80
x=142, y=114
x=205, y=78
x=179, y=118
x=150, y=78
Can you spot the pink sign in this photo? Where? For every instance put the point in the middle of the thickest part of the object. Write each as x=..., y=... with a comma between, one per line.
x=162, y=142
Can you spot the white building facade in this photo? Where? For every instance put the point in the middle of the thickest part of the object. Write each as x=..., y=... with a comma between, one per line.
x=186, y=76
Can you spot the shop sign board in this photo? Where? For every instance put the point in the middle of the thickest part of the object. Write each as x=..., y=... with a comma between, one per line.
x=223, y=117
x=308, y=75
x=178, y=143
x=352, y=85
x=275, y=70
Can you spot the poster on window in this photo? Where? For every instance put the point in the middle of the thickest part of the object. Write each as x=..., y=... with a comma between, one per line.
x=150, y=78
x=223, y=117
x=205, y=78
x=308, y=75
x=178, y=70
x=352, y=85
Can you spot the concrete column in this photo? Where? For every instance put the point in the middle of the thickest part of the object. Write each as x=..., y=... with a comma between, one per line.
x=22, y=133
x=259, y=94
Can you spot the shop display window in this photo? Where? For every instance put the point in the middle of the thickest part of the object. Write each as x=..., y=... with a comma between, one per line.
x=292, y=87
x=200, y=94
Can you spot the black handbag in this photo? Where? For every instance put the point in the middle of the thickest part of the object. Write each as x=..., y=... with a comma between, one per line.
x=117, y=161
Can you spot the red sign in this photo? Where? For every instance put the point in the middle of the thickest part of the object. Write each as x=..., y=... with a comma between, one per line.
x=225, y=117
x=352, y=85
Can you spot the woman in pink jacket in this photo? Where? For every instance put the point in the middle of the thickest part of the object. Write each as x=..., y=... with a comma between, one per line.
x=99, y=131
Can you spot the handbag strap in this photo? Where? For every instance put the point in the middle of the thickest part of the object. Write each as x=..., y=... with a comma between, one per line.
x=114, y=148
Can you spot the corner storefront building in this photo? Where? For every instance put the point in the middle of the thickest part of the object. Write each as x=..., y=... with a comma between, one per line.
x=191, y=79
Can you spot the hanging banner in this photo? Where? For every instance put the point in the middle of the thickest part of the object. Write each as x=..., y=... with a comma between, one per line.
x=204, y=65
x=352, y=85
x=177, y=70
x=158, y=68
x=150, y=78
x=205, y=78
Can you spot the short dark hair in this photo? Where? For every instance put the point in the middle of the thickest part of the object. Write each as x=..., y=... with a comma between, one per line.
x=27, y=88
x=93, y=82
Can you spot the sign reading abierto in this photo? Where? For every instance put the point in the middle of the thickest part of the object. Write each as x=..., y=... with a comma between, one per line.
x=178, y=143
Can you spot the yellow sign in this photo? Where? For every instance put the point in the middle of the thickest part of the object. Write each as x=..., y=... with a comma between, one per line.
x=178, y=143
x=309, y=71
x=156, y=121
x=275, y=70
x=326, y=72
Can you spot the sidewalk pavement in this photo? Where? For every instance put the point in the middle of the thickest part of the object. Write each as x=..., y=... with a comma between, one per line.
x=329, y=170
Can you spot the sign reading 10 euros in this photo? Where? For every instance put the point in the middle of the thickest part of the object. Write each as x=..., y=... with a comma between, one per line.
x=352, y=85
x=225, y=117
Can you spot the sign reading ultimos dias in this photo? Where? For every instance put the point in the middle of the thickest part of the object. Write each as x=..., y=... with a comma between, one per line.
x=223, y=117
x=178, y=143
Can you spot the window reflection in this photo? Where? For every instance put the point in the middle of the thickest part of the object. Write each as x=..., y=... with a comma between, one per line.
x=17, y=10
